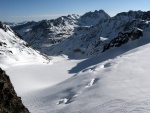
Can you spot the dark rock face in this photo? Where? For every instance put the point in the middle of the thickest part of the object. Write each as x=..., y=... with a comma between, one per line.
x=18, y=27
x=2, y=26
x=136, y=14
x=9, y=102
x=123, y=38
x=95, y=14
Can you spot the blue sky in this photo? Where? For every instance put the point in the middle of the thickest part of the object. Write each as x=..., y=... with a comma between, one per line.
x=22, y=10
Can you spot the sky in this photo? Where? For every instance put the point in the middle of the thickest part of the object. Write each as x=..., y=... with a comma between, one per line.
x=28, y=10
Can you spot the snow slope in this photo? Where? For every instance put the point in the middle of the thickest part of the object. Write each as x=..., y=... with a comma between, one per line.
x=113, y=82
x=15, y=50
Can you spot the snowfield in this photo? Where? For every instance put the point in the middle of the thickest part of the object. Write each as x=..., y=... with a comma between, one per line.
x=119, y=84
x=35, y=75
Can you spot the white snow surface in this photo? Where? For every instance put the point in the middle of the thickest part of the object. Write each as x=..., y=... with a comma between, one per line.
x=14, y=50
x=34, y=76
x=115, y=82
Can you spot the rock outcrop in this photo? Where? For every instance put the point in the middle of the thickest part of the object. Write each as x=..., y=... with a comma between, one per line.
x=123, y=38
x=9, y=101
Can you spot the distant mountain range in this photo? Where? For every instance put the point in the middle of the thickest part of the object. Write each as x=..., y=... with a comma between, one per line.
x=83, y=35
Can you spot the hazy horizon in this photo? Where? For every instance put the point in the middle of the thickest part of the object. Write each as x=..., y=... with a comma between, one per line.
x=33, y=10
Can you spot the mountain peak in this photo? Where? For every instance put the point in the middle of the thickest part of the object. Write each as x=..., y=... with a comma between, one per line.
x=93, y=18
x=75, y=16
x=95, y=14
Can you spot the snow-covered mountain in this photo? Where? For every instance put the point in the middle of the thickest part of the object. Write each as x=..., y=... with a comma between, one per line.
x=13, y=49
x=82, y=36
x=90, y=41
x=45, y=33
x=92, y=18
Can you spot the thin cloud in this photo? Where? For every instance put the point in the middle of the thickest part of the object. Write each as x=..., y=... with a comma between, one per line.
x=34, y=16
x=18, y=18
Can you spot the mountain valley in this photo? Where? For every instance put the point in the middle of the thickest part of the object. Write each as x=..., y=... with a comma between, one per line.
x=86, y=63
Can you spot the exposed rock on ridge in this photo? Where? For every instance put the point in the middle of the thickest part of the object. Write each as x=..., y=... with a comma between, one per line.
x=123, y=38
x=9, y=102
